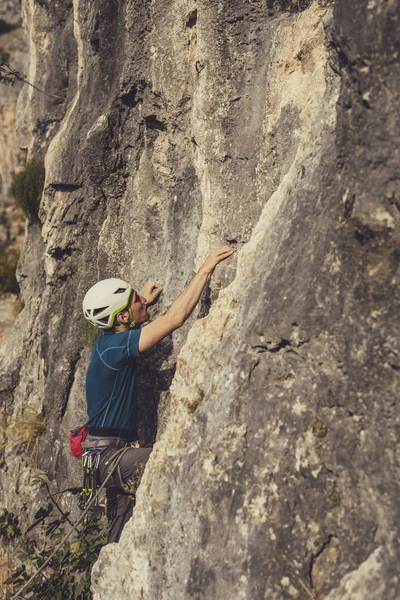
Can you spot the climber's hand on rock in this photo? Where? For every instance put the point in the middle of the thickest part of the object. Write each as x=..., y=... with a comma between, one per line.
x=216, y=256
x=151, y=291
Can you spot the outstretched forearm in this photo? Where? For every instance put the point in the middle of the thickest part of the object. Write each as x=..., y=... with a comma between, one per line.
x=183, y=306
x=185, y=303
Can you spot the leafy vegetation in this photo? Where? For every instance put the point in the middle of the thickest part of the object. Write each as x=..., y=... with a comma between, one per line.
x=9, y=525
x=11, y=230
x=8, y=265
x=67, y=576
x=10, y=76
x=27, y=188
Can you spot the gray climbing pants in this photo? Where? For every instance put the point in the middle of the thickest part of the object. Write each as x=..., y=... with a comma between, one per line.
x=119, y=501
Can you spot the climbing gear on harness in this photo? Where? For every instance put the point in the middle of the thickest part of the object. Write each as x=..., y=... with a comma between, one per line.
x=105, y=300
x=90, y=464
x=92, y=450
x=76, y=437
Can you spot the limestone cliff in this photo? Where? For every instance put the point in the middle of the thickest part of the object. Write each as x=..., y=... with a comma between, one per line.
x=12, y=42
x=271, y=125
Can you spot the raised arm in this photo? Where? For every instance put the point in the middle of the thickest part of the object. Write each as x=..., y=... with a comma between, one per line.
x=183, y=306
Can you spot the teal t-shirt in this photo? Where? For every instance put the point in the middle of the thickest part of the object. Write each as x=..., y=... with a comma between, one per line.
x=110, y=379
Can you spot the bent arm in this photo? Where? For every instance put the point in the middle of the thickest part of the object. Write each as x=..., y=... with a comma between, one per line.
x=184, y=305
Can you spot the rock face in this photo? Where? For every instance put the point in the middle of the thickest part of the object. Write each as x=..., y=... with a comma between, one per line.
x=12, y=42
x=12, y=227
x=272, y=126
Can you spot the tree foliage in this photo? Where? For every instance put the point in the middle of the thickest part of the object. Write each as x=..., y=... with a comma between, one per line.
x=67, y=577
x=27, y=188
x=8, y=75
x=8, y=265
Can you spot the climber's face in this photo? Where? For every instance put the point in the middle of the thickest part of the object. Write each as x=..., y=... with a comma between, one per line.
x=139, y=308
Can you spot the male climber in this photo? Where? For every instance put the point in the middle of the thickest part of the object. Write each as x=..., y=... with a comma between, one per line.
x=114, y=306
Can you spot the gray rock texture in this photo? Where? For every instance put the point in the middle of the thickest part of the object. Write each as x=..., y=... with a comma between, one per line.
x=180, y=126
x=12, y=42
x=12, y=222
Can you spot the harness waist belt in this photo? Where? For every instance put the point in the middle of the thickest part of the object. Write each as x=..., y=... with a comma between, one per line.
x=95, y=442
x=108, y=432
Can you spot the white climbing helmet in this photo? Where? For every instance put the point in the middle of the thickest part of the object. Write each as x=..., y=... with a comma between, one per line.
x=105, y=300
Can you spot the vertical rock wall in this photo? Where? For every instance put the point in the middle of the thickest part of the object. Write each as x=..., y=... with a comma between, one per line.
x=12, y=42
x=182, y=125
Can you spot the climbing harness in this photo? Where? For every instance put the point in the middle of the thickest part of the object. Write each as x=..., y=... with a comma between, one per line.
x=92, y=451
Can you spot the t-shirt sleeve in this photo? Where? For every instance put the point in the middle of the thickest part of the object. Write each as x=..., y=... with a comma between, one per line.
x=133, y=342
x=120, y=349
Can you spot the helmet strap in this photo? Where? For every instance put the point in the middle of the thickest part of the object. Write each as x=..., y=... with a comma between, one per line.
x=131, y=321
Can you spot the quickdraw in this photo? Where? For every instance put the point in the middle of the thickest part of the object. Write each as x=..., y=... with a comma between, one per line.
x=90, y=464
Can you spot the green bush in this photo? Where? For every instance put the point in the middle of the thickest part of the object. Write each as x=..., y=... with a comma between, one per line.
x=9, y=525
x=8, y=264
x=67, y=575
x=27, y=188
